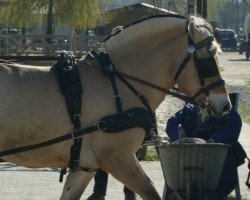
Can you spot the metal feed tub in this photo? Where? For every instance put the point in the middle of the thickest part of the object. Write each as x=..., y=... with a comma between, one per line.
x=192, y=163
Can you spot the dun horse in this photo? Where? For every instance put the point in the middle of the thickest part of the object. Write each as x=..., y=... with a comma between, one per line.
x=163, y=50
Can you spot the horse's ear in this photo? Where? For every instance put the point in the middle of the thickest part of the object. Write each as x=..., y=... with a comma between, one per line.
x=196, y=33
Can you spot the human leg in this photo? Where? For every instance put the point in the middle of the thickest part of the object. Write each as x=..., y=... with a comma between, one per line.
x=129, y=194
x=248, y=49
x=100, y=187
x=229, y=179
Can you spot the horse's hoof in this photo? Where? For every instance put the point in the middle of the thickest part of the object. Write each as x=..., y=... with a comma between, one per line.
x=96, y=197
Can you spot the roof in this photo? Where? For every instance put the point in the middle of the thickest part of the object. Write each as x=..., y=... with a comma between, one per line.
x=139, y=5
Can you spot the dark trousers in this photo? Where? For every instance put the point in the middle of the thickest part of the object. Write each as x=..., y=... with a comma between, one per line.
x=248, y=50
x=101, y=181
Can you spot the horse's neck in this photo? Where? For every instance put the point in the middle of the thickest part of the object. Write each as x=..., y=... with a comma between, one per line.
x=149, y=55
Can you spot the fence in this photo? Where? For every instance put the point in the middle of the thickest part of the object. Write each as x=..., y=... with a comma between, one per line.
x=46, y=45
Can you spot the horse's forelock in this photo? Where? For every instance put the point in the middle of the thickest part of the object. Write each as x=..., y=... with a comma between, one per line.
x=199, y=21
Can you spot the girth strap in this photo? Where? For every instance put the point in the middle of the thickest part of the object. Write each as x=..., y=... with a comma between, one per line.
x=70, y=86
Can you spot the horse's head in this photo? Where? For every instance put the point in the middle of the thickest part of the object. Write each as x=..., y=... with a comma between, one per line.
x=206, y=86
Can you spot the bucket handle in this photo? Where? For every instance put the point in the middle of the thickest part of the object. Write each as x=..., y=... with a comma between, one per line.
x=182, y=134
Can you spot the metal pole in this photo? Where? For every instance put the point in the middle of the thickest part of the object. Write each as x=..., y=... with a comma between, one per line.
x=204, y=14
x=237, y=17
x=202, y=8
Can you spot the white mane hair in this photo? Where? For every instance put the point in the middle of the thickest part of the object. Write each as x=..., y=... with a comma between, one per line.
x=202, y=22
x=247, y=26
x=199, y=21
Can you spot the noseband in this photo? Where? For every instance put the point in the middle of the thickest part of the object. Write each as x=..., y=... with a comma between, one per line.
x=205, y=67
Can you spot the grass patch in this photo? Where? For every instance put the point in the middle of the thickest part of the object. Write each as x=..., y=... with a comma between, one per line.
x=244, y=100
x=244, y=105
x=248, y=84
x=151, y=155
x=244, y=111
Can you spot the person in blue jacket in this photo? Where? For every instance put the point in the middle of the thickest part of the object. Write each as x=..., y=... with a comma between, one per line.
x=225, y=129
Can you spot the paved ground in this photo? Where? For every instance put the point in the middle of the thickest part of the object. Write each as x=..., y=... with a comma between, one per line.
x=18, y=183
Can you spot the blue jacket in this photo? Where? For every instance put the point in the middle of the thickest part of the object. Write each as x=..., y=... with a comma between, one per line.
x=225, y=129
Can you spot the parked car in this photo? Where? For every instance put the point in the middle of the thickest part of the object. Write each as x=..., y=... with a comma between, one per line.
x=227, y=38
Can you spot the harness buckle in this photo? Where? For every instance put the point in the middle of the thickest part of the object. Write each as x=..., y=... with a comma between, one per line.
x=117, y=96
x=76, y=116
x=101, y=125
x=109, y=68
x=73, y=135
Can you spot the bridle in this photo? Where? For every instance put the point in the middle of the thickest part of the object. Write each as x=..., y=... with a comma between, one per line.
x=205, y=67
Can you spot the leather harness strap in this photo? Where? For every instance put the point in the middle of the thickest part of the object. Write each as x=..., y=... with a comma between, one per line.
x=71, y=87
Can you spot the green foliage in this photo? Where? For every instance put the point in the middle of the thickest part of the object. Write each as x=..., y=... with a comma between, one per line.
x=77, y=13
x=244, y=111
x=151, y=155
x=244, y=108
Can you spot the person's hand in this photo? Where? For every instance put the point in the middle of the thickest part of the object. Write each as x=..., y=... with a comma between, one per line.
x=210, y=141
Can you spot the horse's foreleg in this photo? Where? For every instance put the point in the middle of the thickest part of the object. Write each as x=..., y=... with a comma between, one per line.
x=75, y=185
x=128, y=170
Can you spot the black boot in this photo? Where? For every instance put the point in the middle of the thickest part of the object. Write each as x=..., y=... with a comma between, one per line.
x=96, y=197
x=129, y=194
x=100, y=187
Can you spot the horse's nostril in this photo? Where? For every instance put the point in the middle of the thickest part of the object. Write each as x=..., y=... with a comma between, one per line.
x=226, y=107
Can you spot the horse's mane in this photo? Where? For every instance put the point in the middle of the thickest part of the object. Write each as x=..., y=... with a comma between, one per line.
x=148, y=24
x=140, y=29
x=199, y=21
x=145, y=19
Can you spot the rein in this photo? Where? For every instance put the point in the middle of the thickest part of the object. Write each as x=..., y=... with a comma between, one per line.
x=185, y=98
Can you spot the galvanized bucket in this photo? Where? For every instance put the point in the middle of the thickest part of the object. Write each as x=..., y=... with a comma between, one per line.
x=188, y=162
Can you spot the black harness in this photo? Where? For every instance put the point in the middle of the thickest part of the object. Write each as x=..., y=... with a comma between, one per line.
x=70, y=86
x=205, y=67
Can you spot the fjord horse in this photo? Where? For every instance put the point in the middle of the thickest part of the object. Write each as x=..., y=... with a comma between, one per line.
x=156, y=49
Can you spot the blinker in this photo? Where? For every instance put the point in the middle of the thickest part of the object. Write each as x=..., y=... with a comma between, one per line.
x=191, y=49
x=208, y=67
